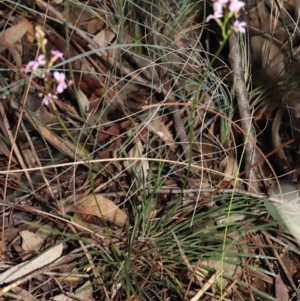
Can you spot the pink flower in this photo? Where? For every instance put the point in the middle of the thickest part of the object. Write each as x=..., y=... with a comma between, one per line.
x=41, y=60
x=33, y=65
x=61, y=81
x=218, y=7
x=218, y=10
x=44, y=42
x=39, y=33
x=235, y=6
x=215, y=16
x=56, y=55
x=48, y=98
x=239, y=26
x=220, y=2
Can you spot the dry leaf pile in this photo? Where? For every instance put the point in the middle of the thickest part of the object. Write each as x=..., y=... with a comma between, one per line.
x=85, y=189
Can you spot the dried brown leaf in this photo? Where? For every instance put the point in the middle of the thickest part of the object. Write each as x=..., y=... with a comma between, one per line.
x=231, y=168
x=156, y=126
x=84, y=292
x=94, y=26
x=139, y=169
x=45, y=231
x=23, y=294
x=103, y=208
x=16, y=52
x=78, y=15
x=31, y=241
x=12, y=35
x=104, y=37
x=281, y=293
x=83, y=100
x=30, y=32
x=28, y=157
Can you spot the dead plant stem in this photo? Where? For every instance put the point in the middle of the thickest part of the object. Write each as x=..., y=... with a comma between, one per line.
x=244, y=110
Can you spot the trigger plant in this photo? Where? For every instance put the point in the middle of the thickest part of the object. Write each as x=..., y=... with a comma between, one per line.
x=54, y=84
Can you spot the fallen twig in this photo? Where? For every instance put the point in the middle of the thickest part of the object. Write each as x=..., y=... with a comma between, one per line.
x=243, y=104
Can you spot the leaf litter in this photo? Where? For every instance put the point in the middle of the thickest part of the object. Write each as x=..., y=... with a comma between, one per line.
x=144, y=123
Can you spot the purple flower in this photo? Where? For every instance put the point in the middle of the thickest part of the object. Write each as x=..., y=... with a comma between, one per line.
x=61, y=81
x=48, y=98
x=239, y=26
x=235, y=6
x=33, y=65
x=56, y=55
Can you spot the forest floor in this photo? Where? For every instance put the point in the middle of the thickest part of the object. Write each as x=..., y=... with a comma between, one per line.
x=140, y=155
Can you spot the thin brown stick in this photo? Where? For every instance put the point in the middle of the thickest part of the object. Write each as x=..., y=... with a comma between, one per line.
x=244, y=109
